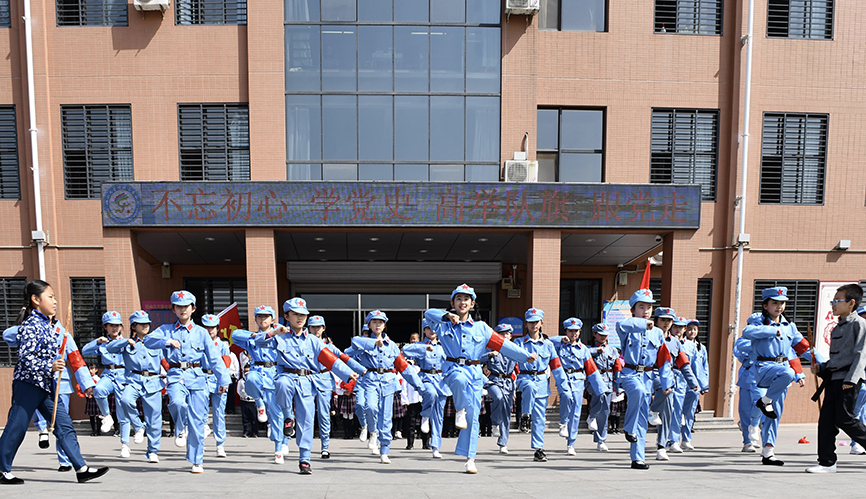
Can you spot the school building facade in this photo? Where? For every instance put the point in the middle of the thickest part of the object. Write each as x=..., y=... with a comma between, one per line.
x=372, y=154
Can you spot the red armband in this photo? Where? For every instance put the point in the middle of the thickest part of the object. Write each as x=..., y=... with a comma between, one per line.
x=400, y=363
x=555, y=363
x=663, y=356
x=164, y=364
x=617, y=365
x=327, y=358
x=801, y=347
x=589, y=366
x=496, y=341
x=796, y=366
x=228, y=360
x=74, y=360
x=344, y=358
x=682, y=359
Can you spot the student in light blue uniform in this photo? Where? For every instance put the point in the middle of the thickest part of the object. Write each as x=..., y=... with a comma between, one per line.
x=643, y=350
x=533, y=380
x=112, y=379
x=465, y=341
x=142, y=381
x=580, y=368
x=500, y=387
x=189, y=351
x=697, y=354
x=606, y=358
x=75, y=364
x=299, y=356
x=362, y=408
x=211, y=324
x=429, y=357
x=775, y=345
x=259, y=382
x=670, y=406
x=325, y=384
x=750, y=414
x=382, y=360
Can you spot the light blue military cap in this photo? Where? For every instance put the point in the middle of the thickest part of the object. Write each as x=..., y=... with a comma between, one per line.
x=465, y=289
x=779, y=293
x=694, y=322
x=111, y=317
x=601, y=329
x=296, y=305
x=641, y=295
x=316, y=320
x=533, y=315
x=265, y=310
x=210, y=320
x=139, y=317
x=376, y=314
x=182, y=298
x=681, y=321
x=572, y=323
x=665, y=313
x=504, y=328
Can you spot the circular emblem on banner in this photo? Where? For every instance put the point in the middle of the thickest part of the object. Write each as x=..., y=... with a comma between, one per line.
x=122, y=204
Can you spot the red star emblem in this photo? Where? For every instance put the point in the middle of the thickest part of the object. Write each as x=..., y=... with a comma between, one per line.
x=180, y=295
x=781, y=292
x=532, y=311
x=646, y=292
x=114, y=314
x=301, y=302
x=573, y=321
x=464, y=286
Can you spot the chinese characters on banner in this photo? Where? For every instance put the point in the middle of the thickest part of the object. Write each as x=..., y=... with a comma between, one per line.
x=384, y=204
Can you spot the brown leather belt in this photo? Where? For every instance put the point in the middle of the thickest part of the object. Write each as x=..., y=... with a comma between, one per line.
x=145, y=373
x=112, y=366
x=463, y=361
x=503, y=376
x=183, y=365
x=207, y=371
x=639, y=368
x=265, y=364
x=572, y=371
x=533, y=373
x=323, y=371
x=779, y=360
x=605, y=370
x=380, y=370
x=431, y=371
x=299, y=372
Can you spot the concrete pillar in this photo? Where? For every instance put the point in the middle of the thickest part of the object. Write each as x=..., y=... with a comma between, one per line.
x=545, y=249
x=261, y=270
x=121, y=253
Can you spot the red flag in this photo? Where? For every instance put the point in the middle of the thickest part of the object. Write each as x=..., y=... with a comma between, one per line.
x=230, y=319
x=645, y=282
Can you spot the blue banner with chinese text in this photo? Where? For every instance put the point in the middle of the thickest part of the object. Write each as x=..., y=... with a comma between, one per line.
x=400, y=204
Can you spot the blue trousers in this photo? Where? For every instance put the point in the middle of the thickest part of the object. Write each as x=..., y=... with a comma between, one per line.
x=775, y=378
x=638, y=388
x=571, y=404
x=466, y=384
x=152, y=404
x=191, y=406
x=361, y=405
x=500, y=410
x=380, y=400
x=749, y=413
x=218, y=408
x=323, y=407
x=42, y=424
x=105, y=387
x=535, y=405
x=433, y=407
x=26, y=400
x=267, y=397
x=690, y=406
x=296, y=395
x=599, y=410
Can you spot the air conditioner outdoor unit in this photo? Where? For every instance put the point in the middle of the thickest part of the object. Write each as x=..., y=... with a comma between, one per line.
x=146, y=5
x=521, y=6
x=521, y=171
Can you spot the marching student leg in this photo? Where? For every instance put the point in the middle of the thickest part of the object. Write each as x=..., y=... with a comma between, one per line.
x=600, y=411
x=385, y=420
x=690, y=406
x=123, y=413
x=437, y=417
x=152, y=404
x=128, y=398
x=498, y=415
x=745, y=406
x=197, y=418
x=539, y=410
x=254, y=387
x=177, y=406
x=662, y=403
x=103, y=388
x=323, y=407
x=575, y=407
x=305, y=409
x=361, y=406
x=770, y=426
x=25, y=400
x=62, y=458
x=67, y=440
x=218, y=407
x=467, y=440
x=675, y=425
x=275, y=419
x=636, y=387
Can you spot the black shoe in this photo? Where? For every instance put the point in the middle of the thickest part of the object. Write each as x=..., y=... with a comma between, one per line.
x=326, y=454
x=289, y=427
x=772, y=461
x=637, y=465
x=425, y=446
x=91, y=474
x=64, y=469
x=766, y=409
x=540, y=456
x=43, y=440
x=410, y=447
x=631, y=437
x=305, y=469
x=525, y=423
x=10, y=481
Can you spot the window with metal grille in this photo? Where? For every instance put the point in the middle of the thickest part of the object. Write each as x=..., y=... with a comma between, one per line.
x=10, y=184
x=685, y=148
x=88, y=305
x=214, y=141
x=703, y=309
x=692, y=17
x=793, y=158
x=215, y=295
x=210, y=12
x=656, y=288
x=808, y=19
x=5, y=14
x=97, y=147
x=92, y=13
x=573, y=15
x=11, y=301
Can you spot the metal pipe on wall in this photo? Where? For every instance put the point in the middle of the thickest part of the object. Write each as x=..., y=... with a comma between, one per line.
x=34, y=140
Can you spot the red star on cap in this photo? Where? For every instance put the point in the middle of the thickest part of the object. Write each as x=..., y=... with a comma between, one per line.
x=573, y=321
x=532, y=311
x=180, y=295
x=114, y=314
x=301, y=302
x=464, y=286
x=781, y=292
x=646, y=292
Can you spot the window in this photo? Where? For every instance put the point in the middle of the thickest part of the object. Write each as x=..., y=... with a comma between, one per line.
x=802, y=300
x=214, y=141
x=570, y=145
x=11, y=300
x=88, y=305
x=793, y=158
x=656, y=288
x=704, y=308
x=809, y=19
x=393, y=89
x=97, y=147
x=215, y=295
x=581, y=298
x=5, y=17
x=685, y=146
x=573, y=15
x=10, y=184
x=92, y=13
x=210, y=12
x=691, y=17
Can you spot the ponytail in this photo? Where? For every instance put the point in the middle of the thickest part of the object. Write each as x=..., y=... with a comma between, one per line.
x=33, y=287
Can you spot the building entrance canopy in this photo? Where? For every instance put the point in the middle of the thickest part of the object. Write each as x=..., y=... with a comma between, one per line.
x=400, y=204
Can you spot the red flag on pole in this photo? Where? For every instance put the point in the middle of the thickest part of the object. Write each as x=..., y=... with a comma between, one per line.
x=230, y=319
x=645, y=282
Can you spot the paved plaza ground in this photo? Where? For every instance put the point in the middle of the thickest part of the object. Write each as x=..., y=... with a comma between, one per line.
x=716, y=469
